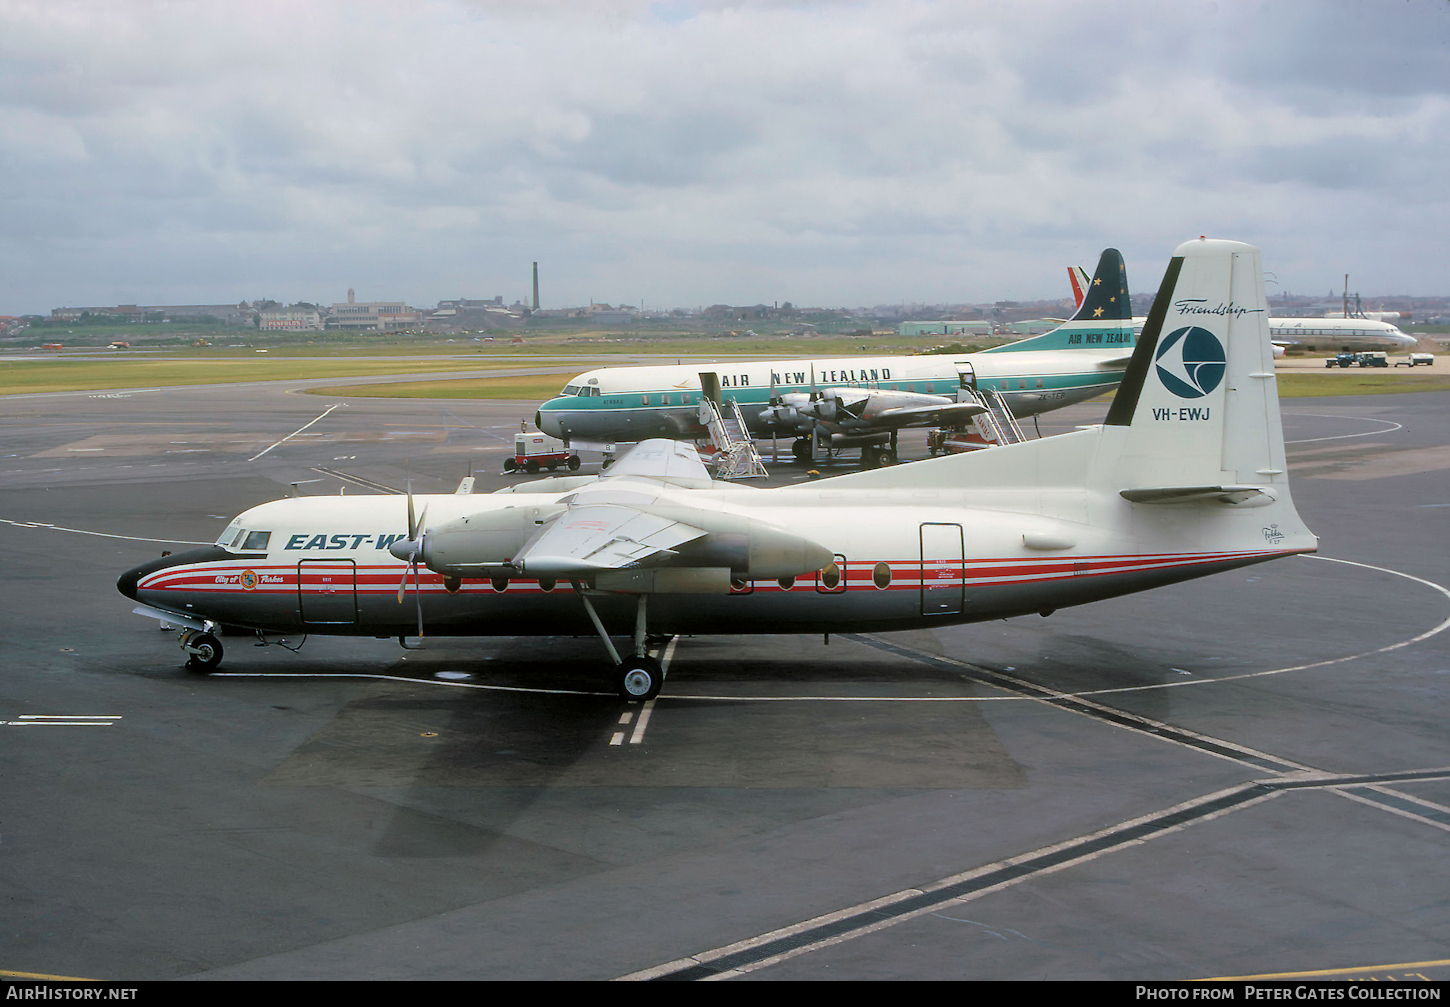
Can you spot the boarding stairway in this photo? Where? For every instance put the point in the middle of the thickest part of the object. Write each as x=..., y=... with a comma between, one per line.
x=735, y=454
x=997, y=425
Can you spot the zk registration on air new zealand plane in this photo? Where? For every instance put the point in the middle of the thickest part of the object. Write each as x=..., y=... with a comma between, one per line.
x=1082, y=358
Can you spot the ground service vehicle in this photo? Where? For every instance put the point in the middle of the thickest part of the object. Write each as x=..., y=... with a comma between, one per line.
x=540, y=451
x=1416, y=359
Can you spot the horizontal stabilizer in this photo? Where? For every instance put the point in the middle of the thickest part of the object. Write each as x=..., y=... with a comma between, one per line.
x=1194, y=494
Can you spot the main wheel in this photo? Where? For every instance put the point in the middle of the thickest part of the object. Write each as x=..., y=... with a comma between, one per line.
x=208, y=655
x=639, y=678
x=869, y=458
x=801, y=448
x=887, y=457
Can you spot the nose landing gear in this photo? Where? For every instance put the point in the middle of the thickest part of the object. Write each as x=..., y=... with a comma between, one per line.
x=204, y=651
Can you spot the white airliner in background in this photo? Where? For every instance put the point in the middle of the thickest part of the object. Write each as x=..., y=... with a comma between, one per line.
x=1332, y=333
x=1186, y=476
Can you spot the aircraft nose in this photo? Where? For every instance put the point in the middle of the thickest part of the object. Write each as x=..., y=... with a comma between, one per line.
x=129, y=582
x=126, y=583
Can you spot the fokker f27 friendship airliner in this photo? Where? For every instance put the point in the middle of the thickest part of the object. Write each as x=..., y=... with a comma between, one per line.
x=1185, y=477
x=1082, y=358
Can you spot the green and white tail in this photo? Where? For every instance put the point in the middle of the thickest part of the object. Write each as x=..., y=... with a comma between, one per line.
x=1104, y=319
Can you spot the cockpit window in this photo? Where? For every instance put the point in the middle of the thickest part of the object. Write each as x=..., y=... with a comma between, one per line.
x=229, y=537
x=570, y=390
x=257, y=541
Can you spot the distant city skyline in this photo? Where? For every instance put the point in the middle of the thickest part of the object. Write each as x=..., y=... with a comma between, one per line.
x=685, y=153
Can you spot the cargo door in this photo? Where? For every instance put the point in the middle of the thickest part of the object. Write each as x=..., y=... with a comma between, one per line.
x=327, y=591
x=942, y=573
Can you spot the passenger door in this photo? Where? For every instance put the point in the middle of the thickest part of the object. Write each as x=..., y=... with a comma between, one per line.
x=942, y=573
x=327, y=591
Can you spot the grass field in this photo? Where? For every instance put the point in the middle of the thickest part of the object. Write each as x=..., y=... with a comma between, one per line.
x=302, y=361
x=1293, y=386
x=29, y=376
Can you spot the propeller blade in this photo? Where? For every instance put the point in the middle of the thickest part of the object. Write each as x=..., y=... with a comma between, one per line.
x=402, y=586
x=418, y=595
x=412, y=528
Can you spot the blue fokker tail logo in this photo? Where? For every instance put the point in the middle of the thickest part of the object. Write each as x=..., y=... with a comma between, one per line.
x=1191, y=362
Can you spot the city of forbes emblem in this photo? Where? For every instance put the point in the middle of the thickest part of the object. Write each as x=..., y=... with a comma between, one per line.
x=1191, y=362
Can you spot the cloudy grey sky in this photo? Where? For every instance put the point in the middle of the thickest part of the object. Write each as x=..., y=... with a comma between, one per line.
x=693, y=152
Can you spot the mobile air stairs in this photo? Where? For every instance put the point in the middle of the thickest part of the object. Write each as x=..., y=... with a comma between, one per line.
x=735, y=454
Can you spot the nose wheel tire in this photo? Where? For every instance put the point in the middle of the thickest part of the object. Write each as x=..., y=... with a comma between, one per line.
x=204, y=653
x=639, y=679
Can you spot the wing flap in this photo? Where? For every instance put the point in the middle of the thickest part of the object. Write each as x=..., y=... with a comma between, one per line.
x=674, y=462
x=590, y=538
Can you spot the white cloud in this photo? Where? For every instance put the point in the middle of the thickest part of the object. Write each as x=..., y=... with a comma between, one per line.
x=823, y=153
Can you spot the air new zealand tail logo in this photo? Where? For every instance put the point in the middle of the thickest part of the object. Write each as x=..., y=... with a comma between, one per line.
x=1191, y=362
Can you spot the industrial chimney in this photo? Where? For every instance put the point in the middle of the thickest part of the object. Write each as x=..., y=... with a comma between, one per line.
x=536, y=286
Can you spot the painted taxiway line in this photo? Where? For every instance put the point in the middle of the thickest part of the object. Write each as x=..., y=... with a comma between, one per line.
x=1393, y=426
x=294, y=433
x=1327, y=973
x=42, y=526
x=62, y=720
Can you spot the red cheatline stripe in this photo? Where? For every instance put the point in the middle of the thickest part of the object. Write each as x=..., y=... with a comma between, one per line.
x=905, y=575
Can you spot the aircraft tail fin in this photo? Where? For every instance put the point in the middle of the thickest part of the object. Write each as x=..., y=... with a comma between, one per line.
x=1078, y=279
x=1198, y=402
x=1192, y=440
x=1104, y=316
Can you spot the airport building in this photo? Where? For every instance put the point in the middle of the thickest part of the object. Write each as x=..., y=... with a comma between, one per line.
x=227, y=314
x=979, y=327
x=373, y=316
x=301, y=317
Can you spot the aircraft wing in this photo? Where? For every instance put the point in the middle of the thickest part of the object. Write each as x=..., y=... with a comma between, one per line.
x=590, y=538
x=674, y=462
x=1116, y=361
x=946, y=414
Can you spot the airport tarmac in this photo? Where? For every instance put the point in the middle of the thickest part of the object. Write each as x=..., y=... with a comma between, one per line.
x=1243, y=775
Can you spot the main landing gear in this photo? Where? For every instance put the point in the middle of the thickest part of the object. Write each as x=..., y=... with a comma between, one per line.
x=639, y=676
x=204, y=651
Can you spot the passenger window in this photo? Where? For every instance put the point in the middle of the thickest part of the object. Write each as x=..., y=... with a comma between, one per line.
x=644, y=400
x=1039, y=382
x=664, y=400
x=257, y=541
x=881, y=575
